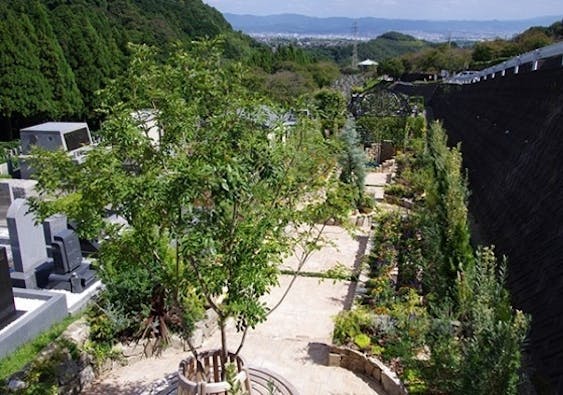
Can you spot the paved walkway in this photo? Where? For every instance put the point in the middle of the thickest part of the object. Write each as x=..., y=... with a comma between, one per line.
x=289, y=343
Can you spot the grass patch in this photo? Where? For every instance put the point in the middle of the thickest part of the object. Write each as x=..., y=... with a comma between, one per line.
x=28, y=351
x=323, y=275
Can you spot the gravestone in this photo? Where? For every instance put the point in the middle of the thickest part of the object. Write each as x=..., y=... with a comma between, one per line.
x=66, y=251
x=51, y=226
x=7, y=307
x=72, y=137
x=11, y=189
x=387, y=150
x=27, y=240
x=5, y=202
x=70, y=271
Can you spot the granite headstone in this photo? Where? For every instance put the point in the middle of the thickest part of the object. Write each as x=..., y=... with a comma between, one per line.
x=66, y=251
x=5, y=202
x=7, y=307
x=26, y=238
x=53, y=225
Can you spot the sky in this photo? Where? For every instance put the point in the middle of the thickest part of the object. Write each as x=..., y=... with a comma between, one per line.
x=400, y=9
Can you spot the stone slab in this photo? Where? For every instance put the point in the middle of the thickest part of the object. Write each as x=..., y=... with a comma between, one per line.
x=31, y=324
x=66, y=251
x=53, y=225
x=26, y=238
x=7, y=306
x=5, y=202
x=376, y=178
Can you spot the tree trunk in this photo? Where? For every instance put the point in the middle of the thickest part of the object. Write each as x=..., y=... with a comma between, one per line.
x=223, y=348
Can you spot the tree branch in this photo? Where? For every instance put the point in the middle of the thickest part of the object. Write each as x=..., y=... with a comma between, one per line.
x=304, y=257
x=206, y=292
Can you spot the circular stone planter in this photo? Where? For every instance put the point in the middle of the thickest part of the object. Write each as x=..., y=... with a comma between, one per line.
x=192, y=382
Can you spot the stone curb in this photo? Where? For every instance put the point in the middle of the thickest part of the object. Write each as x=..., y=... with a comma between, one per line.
x=357, y=362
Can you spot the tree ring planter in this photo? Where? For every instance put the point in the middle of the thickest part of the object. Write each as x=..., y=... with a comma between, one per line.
x=192, y=382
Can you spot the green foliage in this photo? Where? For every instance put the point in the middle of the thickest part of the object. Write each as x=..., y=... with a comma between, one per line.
x=20, y=66
x=416, y=126
x=90, y=46
x=495, y=333
x=366, y=203
x=290, y=73
x=324, y=73
x=236, y=385
x=41, y=375
x=488, y=53
x=393, y=67
x=362, y=341
x=56, y=54
x=207, y=207
x=386, y=46
x=447, y=205
x=349, y=324
x=287, y=86
x=374, y=129
x=440, y=315
x=442, y=57
x=398, y=190
x=443, y=370
x=330, y=106
x=352, y=161
x=5, y=147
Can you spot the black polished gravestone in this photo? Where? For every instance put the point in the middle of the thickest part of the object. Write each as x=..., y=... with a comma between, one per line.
x=66, y=251
x=7, y=307
x=70, y=272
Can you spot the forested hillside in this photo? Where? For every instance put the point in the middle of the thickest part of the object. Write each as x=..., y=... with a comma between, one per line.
x=55, y=54
x=448, y=56
x=386, y=46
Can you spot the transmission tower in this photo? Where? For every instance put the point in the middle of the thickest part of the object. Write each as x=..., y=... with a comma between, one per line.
x=355, y=46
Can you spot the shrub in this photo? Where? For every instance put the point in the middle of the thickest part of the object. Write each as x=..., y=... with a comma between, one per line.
x=349, y=324
x=363, y=341
x=446, y=322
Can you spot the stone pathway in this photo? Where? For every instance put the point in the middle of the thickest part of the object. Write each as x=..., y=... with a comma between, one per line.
x=290, y=343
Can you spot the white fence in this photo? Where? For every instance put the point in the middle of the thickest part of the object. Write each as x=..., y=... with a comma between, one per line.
x=513, y=65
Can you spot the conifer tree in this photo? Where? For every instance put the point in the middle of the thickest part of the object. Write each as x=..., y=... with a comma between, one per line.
x=65, y=96
x=24, y=89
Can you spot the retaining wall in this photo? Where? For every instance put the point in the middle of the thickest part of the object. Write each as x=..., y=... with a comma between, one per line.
x=357, y=362
x=511, y=134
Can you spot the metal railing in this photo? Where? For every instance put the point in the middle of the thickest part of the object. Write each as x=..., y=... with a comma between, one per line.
x=513, y=65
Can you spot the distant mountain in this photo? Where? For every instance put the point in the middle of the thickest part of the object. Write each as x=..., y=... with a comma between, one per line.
x=371, y=27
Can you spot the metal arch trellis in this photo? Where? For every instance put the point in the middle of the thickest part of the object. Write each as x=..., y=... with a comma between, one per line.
x=380, y=102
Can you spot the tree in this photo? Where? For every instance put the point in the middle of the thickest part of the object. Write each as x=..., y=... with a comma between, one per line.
x=447, y=195
x=65, y=96
x=352, y=161
x=287, y=86
x=211, y=209
x=324, y=73
x=25, y=90
x=90, y=48
x=330, y=107
x=393, y=67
